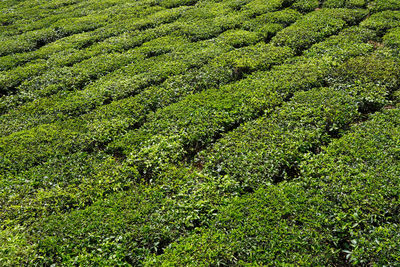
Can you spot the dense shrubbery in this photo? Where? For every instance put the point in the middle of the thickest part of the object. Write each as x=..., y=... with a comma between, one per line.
x=316, y=26
x=381, y=5
x=392, y=39
x=271, y=148
x=382, y=21
x=345, y=3
x=343, y=208
x=198, y=132
x=268, y=150
x=358, y=176
x=182, y=129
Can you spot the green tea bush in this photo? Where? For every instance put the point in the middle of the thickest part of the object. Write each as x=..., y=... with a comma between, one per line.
x=174, y=134
x=318, y=220
x=382, y=5
x=25, y=149
x=200, y=30
x=176, y=3
x=268, y=227
x=345, y=3
x=285, y=17
x=185, y=132
x=349, y=43
x=305, y=6
x=76, y=41
x=119, y=44
x=269, y=150
x=392, y=38
x=272, y=22
x=15, y=80
x=125, y=82
x=126, y=226
x=334, y=3
x=115, y=247
x=85, y=39
x=35, y=39
x=382, y=21
x=239, y=38
x=61, y=184
x=371, y=78
x=11, y=79
x=258, y=7
x=151, y=18
x=173, y=90
x=316, y=26
x=75, y=77
x=133, y=80
x=251, y=58
x=34, y=157
x=358, y=175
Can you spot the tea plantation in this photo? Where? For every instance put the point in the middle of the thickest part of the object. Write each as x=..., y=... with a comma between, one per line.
x=200, y=133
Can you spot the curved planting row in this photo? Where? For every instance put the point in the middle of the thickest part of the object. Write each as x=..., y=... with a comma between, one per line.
x=186, y=25
x=342, y=210
x=178, y=51
x=180, y=132
x=234, y=103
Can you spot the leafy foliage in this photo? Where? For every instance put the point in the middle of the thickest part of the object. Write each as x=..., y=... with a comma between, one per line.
x=199, y=132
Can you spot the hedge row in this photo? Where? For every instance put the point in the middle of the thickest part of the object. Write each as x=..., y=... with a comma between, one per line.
x=8, y=141
x=137, y=77
x=392, y=39
x=31, y=40
x=306, y=6
x=264, y=22
x=69, y=59
x=33, y=16
x=358, y=176
x=191, y=219
x=351, y=42
x=123, y=41
x=342, y=211
x=185, y=26
x=126, y=23
x=179, y=130
x=239, y=62
x=201, y=143
x=105, y=124
x=345, y=3
x=83, y=41
x=112, y=44
x=316, y=26
x=270, y=149
x=124, y=228
x=382, y=21
x=382, y=5
x=99, y=127
x=175, y=133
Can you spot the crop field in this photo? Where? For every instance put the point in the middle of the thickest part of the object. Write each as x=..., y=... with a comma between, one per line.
x=199, y=133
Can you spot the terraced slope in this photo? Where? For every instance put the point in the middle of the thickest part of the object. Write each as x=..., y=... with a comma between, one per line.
x=199, y=132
